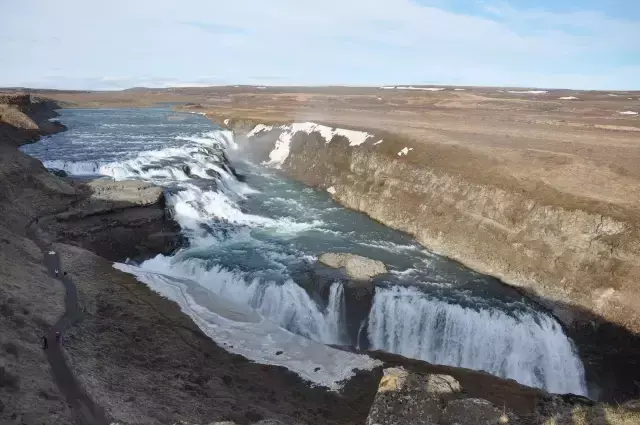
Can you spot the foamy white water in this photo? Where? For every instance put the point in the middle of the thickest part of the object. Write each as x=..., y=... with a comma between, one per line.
x=533, y=350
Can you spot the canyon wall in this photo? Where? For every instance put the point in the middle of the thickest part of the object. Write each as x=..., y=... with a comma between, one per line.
x=580, y=259
x=563, y=255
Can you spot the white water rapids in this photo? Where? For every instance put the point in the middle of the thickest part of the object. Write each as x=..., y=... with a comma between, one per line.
x=247, y=240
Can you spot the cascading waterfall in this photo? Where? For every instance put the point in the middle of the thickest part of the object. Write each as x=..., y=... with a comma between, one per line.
x=206, y=199
x=531, y=349
x=335, y=313
x=286, y=304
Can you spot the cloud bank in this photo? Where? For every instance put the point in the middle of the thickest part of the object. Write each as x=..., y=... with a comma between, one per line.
x=118, y=44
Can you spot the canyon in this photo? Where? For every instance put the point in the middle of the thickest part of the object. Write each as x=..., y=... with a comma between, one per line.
x=540, y=219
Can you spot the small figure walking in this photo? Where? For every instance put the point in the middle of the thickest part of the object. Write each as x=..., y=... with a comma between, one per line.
x=44, y=343
x=57, y=336
x=57, y=272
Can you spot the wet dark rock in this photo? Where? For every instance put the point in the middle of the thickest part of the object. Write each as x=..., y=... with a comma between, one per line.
x=186, y=170
x=59, y=173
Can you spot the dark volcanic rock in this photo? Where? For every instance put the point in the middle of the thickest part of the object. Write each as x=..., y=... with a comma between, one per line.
x=59, y=173
x=118, y=220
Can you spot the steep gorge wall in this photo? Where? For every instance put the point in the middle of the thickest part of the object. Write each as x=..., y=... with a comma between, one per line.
x=580, y=263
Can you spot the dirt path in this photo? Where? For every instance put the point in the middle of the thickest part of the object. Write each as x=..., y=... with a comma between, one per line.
x=85, y=410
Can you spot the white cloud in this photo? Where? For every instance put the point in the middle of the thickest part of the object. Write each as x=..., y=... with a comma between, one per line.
x=306, y=42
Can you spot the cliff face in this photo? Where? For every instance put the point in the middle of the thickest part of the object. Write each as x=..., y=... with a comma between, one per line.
x=564, y=256
x=578, y=258
x=117, y=220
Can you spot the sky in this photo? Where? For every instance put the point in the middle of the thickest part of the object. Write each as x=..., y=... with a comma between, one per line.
x=81, y=44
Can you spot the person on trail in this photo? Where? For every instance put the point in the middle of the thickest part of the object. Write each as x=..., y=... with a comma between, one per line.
x=57, y=272
x=57, y=336
x=44, y=343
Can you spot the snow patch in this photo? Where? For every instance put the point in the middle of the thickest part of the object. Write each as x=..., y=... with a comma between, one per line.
x=528, y=91
x=612, y=95
x=413, y=88
x=420, y=88
x=404, y=151
x=459, y=89
x=568, y=98
x=378, y=142
x=282, y=146
x=226, y=122
x=628, y=113
x=332, y=190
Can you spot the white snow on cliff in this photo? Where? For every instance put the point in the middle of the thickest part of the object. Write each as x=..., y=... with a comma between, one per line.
x=282, y=146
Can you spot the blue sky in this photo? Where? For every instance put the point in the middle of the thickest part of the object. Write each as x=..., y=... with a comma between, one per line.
x=80, y=44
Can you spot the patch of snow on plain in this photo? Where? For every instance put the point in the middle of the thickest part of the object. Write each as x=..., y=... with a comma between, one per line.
x=628, y=113
x=404, y=151
x=568, y=98
x=459, y=89
x=528, y=91
x=612, y=95
x=378, y=142
x=420, y=88
x=388, y=87
x=331, y=190
x=240, y=330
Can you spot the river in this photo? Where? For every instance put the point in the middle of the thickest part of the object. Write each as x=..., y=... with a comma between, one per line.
x=246, y=274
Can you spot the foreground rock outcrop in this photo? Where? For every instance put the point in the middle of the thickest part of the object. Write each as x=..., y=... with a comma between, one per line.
x=407, y=397
x=117, y=220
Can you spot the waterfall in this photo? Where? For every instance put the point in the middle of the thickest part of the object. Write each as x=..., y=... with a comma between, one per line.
x=335, y=313
x=285, y=304
x=530, y=348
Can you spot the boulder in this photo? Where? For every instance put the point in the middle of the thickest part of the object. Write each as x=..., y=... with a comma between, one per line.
x=410, y=398
x=356, y=266
x=476, y=411
x=59, y=173
x=406, y=397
